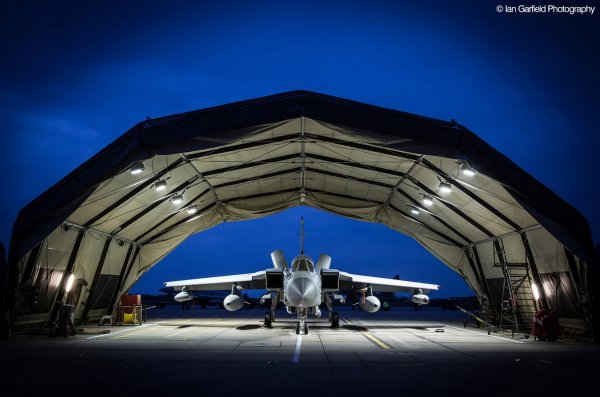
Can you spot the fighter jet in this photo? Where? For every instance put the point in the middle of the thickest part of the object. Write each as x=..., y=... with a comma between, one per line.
x=302, y=288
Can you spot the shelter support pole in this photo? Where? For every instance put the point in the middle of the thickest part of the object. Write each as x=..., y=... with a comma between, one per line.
x=88, y=301
x=31, y=261
x=477, y=270
x=11, y=303
x=488, y=300
x=576, y=278
x=534, y=270
x=585, y=296
x=135, y=255
x=118, y=286
x=63, y=282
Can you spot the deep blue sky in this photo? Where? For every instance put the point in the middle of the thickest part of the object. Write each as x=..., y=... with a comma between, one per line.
x=75, y=75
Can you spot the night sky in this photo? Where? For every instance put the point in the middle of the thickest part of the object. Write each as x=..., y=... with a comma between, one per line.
x=76, y=75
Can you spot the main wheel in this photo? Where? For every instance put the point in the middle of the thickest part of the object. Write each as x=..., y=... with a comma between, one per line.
x=297, y=328
x=305, y=329
x=268, y=319
x=335, y=320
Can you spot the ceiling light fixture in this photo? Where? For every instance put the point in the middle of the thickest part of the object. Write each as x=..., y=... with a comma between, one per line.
x=177, y=199
x=160, y=186
x=427, y=200
x=468, y=171
x=137, y=168
x=414, y=210
x=192, y=210
x=445, y=187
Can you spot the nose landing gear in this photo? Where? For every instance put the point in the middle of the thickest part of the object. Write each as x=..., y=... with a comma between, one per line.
x=301, y=328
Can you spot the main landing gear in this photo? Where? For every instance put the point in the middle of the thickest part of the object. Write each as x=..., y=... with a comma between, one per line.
x=268, y=319
x=335, y=319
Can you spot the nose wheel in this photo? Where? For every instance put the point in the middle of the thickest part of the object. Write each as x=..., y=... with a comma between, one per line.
x=301, y=328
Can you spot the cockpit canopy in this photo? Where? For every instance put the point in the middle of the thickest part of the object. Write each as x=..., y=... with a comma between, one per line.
x=302, y=263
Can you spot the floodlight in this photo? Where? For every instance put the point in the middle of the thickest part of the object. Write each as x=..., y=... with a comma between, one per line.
x=137, y=168
x=428, y=200
x=160, y=186
x=177, y=199
x=445, y=187
x=468, y=171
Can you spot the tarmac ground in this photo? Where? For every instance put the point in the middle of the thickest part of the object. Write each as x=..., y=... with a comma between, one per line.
x=215, y=352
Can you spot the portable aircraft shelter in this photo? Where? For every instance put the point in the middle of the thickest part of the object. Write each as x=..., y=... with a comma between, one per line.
x=119, y=213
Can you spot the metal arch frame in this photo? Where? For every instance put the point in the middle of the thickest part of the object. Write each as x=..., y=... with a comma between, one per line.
x=88, y=303
x=121, y=282
x=533, y=266
x=304, y=135
x=333, y=174
x=133, y=193
x=428, y=164
x=201, y=176
x=206, y=208
x=152, y=206
x=60, y=293
x=303, y=155
x=126, y=264
x=473, y=196
x=181, y=161
x=323, y=172
x=477, y=269
x=34, y=255
x=449, y=239
x=387, y=186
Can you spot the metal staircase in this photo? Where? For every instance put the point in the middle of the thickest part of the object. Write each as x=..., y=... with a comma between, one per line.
x=517, y=306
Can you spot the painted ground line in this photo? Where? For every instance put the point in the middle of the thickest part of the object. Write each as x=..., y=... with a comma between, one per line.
x=376, y=341
x=119, y=332
x=133, y=332
x=296, y=358
x=485, y=334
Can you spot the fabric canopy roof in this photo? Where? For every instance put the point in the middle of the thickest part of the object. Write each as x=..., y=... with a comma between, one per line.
x=257, y=157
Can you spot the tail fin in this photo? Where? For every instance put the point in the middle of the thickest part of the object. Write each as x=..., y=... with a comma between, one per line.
x=302, y=235
x=278, y=259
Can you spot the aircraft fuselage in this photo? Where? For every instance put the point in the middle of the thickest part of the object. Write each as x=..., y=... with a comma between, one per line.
x=302, y=289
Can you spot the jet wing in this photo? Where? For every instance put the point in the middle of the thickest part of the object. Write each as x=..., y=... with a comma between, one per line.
x=354, y=282
x=246, y=281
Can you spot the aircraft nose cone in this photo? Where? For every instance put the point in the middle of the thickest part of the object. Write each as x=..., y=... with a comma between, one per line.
x=302, y=292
